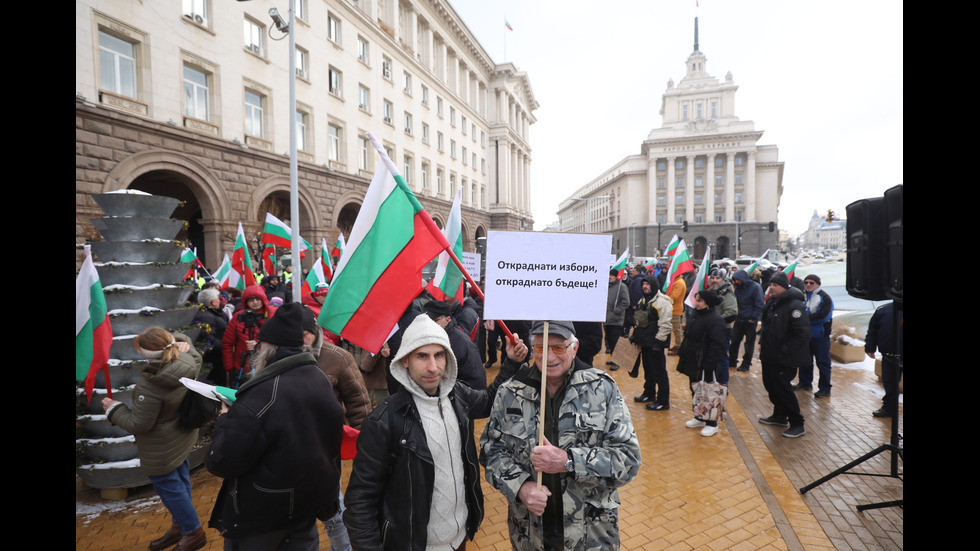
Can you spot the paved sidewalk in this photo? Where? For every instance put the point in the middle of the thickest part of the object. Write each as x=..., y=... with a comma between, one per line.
x=736, y=490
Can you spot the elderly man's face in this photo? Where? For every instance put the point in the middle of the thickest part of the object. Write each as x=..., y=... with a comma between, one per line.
x=558, y=362
x=426, y=366
x=715, y=281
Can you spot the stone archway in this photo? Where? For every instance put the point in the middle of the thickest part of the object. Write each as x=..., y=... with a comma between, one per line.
x=723, y=247
x=700, y=246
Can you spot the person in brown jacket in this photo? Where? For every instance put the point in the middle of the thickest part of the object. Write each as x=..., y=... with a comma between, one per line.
x=375, y=376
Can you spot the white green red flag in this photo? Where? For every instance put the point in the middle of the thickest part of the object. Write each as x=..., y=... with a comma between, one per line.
x=620, y=265
x=222, y=274
x=701, y=281
x=189, y=256
x=320, y=272
x=338, y=247
x=93, y=332
x=269, y=259
x=242, y=275
x=276, y=232
x=380, y=272
x=680, y=263
x=790, y=270
x=752, y=267
x=325, y=260
x=671, y=249
x=448, y=280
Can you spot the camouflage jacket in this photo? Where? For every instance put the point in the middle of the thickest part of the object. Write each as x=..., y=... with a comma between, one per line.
x=594, y=426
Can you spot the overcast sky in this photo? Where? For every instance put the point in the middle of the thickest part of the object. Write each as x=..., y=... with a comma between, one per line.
x=823, y=80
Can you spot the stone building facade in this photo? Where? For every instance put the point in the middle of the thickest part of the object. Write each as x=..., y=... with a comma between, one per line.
x=173, y=98
x=703, y=168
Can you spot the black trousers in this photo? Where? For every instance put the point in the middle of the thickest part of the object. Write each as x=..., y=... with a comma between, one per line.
x=742, y=329
x=656, y=383
x=613, y=332
x=778, y=381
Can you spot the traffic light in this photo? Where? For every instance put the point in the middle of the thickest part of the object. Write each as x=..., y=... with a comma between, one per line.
x=831, y=215
x=772, y=226
x=685, y=226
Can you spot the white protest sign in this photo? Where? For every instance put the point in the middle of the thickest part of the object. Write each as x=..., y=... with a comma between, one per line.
x=554, y=276
x=471, y=261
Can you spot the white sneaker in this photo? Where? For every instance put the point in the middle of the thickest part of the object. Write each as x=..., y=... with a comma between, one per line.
x=709, y=431
x=694, y=424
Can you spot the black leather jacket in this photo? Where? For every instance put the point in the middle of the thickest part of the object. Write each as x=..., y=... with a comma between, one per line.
x=390, y=491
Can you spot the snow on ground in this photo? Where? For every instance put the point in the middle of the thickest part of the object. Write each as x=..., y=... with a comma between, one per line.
x=86, y=512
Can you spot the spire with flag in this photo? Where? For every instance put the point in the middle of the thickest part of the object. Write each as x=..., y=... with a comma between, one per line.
x=380, y=272
x=701, y=281
x=448, y=280
x=680, y=263
x=620, y=265
x=242, y=275
x=93, y=332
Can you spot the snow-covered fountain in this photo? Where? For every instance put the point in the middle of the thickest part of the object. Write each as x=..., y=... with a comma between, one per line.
x=140, y=272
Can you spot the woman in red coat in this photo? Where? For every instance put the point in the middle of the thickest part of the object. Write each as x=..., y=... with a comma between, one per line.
x=238, y=343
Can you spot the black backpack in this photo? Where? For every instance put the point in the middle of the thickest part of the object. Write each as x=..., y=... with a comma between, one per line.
x=196, y=411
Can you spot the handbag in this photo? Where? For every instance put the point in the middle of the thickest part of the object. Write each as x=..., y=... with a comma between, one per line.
x=708, y=401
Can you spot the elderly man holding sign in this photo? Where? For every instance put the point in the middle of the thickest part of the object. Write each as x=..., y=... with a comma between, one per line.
x=562, y=488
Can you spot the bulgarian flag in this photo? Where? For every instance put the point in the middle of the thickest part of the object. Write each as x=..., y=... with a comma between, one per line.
x=190, y=257
x=620, y=265
x=671, y=249
x=325, y=261
x=277, y=233
x=790, y=270
x=93, y=333
x=448, y=281
x=680, y=263
x=269, y=259
x=222, y=274
x=701, y=282
x=752, y=267
x=380, y=273
x=316, y=277
x=241, y=274
x=338, y=247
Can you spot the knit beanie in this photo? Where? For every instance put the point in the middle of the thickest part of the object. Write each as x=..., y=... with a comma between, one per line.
x=286, y=327
x=780, y=279
x=709, y=297
x=812, y=277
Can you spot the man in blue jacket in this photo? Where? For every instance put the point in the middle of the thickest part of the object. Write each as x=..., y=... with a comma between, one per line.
x=748, y=294
x=820, y=307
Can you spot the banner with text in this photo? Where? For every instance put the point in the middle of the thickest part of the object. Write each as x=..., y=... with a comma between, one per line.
x=471, y=261
x=555, y=276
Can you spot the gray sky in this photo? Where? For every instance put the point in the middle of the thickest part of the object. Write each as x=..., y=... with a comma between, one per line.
x=823, y=80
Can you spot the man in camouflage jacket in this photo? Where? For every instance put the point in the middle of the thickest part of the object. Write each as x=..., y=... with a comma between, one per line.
x=590, y=449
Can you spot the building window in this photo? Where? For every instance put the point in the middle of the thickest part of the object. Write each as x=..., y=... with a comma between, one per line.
x=452, y=148
x=335, y=82
x=386, y=112
x=698, y=198
x=474, y=160
x=714, y=109
x=684, y=111
x=699, y=110
x=738, y=161
x=425, y=133
x=408, y=123
x=386, y=68
x=333, y=29
x=425, y=175
x=738, y=179
x=452, y=185
x=718, y=181
x=407, y=169
x=408, y=84
x=679, y=164
x=253, y=114
x=452, y=115
x=254, y=33
x=718, y=217
x=661, y=201
x=719, y=198
x=483, y=165
x=364, y=153
x=699, y=163
x=473, y=133
x=117, y=65
x=464, y=155
x=719, y=161
x=302, y=63
x=425, y=95
x=679, y=182
x=439, y=181
x=302, y=120
x=698, y=216
x=738, y=197
x=661, y=183
x=462, y=122
x=738, y=215
x=678, y=218
x=438, y=106
x=363, y=98
x=439, y=141
x=302, y=11
x=196, y=94
x=197, y=11
x=679, y=199
x=699, y=181
x=661, y=165
x=335, y=137
x=473, y=198
x=661, y=218
x=363, y=52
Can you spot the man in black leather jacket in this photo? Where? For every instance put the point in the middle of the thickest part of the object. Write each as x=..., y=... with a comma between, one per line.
x=415, y=482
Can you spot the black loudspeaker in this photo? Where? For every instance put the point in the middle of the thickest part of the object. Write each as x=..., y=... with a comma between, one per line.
x=866, y=249
x=895, y=282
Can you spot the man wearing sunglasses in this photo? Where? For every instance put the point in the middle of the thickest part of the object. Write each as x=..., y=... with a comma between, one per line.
x=589, y=448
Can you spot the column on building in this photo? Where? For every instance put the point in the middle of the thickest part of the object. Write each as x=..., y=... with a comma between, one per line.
x=671, y=186
x=652, y=192
x=709, y=186
x=749, y=185
x=689, y=188
x=730, y=187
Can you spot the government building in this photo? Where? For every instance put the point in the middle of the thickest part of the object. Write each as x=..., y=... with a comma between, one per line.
x=190, y=99
x=703, y=169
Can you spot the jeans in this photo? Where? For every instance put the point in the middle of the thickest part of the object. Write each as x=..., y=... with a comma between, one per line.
x=174, y=489
x=820, y=351
x=336, y=531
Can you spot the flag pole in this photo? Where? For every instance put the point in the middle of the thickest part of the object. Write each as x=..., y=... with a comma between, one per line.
x=544, y=391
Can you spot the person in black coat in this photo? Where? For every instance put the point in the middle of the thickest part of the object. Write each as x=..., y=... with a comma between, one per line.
x=784, y=344
x=213, y=316
x=702, y=349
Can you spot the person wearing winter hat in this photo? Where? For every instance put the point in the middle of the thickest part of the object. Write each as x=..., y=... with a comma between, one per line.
x=703, y=346
x=278, y=446
x=719, y=284
x=784, y=343
x=415, y=482
x=820, y=307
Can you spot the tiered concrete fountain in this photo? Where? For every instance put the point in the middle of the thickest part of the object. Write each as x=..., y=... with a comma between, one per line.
x=142, y=278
